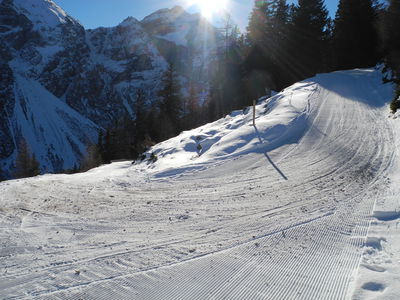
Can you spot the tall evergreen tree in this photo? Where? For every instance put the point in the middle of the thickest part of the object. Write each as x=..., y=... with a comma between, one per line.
x=141, y=125
x=270, y=58
x=92, y=159
x=212, y=107
x=193, y=111
x=279, y=41
x=309, y=37
x=2, y=175
x=257, y=23
x=26, y=164
x=170, y=105
x=258, y=64
x=225, y=90
x=391, y=37
x=355, y=37
x=108, y=153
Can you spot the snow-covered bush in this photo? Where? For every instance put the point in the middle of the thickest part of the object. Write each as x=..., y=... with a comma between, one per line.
x=153, y=158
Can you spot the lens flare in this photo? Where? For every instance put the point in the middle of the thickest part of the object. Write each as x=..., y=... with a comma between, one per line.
x=210, y=8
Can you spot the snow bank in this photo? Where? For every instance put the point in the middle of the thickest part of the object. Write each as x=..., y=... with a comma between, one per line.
x=379, y=272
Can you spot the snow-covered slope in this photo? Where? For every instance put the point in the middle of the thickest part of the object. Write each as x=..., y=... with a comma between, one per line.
x=281, y=212
x=280, y=120
x=58, y=135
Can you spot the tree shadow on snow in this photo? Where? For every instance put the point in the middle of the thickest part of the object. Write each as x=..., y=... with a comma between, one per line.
x=362, y=85
x=267, y=156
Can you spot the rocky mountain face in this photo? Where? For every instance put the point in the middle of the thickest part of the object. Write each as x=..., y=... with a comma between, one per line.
x=60, y=84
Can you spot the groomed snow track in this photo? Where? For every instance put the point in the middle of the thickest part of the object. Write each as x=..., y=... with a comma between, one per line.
x=287, y=224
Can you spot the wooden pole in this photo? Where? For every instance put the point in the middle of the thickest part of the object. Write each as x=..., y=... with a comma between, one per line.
x=254, y=113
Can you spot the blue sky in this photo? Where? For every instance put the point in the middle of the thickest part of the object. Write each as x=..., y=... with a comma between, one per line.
x=96, y=13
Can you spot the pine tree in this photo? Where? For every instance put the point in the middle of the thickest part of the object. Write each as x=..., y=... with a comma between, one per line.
x=212, y=107
x=2, y=175
x=92, y=159
x=283, y=58
x=257, y=24
x=270, y=57
x=170, y=105
x=355, y=38
x=391, y=36
x=309, y=37
x=141, y=129
x=34, y=169
x=108, y=153
x=192, y=116
x=101, y=145
x=225, y=86
x=26, y=164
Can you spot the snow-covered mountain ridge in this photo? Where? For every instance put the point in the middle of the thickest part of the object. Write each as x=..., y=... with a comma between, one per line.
x=96, y=73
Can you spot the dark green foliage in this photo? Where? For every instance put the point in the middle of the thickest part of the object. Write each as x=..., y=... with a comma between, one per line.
x=118, y=141
x=153, y=158
x=2, y=175
x=74, y=170
x=286, y=44
x=310, y=37
x=267, y=35
x=141, y=126
x=355, y=37
x=92, y=159
x=257, y=23
x=391, y=36
x=226, y=91
x=170, y=105
x=191, y=109
x=26, y=164
x=129, y=138
x=395, y=104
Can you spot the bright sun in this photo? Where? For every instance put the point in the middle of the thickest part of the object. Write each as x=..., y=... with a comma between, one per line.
x=210, y=8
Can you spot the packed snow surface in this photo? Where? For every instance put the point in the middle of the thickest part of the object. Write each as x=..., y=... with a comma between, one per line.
x=302, y=206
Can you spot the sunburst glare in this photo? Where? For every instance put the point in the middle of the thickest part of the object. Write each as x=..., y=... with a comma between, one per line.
x=209, y=8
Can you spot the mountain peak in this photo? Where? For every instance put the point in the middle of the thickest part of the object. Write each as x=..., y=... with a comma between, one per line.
x=178, y=8
x=129, y=21
x=43, y=12
x=170, y=14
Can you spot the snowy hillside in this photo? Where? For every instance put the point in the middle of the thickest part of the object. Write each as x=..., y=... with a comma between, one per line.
x=96, y=73
x=304, y=206
x=58, y=135
x=280, y=120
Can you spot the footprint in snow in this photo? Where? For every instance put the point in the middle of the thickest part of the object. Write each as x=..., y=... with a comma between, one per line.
x=373, y=286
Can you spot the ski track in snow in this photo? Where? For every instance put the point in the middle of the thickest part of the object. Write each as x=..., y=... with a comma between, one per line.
x=288, y=224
